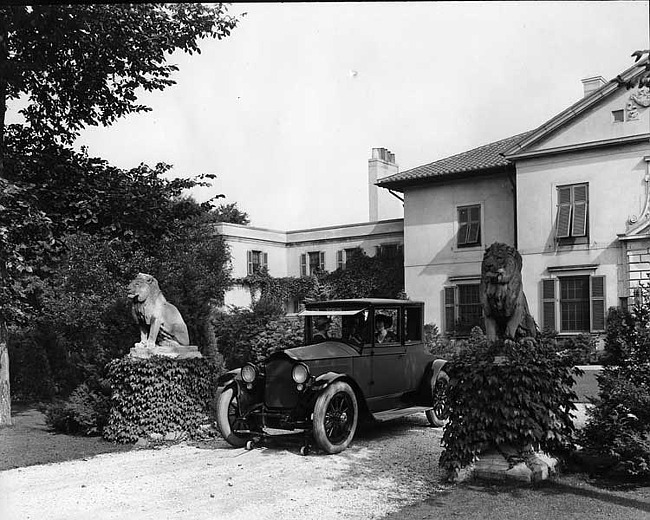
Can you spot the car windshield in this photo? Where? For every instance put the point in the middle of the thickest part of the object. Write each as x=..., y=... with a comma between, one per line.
x=348, y=325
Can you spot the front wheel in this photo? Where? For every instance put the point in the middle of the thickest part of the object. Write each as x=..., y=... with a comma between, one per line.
x=439, y=414
x=335, y=417
x=228, y=418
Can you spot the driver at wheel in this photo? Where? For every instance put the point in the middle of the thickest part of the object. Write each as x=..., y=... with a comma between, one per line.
x=322, y=326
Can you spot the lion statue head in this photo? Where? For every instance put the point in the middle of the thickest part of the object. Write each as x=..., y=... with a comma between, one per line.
x=143, y=287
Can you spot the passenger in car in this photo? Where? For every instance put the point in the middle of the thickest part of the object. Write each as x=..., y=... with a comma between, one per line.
x=382, y=324
x=322, y=326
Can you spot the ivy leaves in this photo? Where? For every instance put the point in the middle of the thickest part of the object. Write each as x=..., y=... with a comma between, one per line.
x=525, y=400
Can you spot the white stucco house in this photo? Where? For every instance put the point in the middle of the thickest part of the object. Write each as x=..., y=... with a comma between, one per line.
x=301, y=252
x=573, y=195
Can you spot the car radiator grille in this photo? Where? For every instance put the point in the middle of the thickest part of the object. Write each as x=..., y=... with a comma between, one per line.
x=281, y=391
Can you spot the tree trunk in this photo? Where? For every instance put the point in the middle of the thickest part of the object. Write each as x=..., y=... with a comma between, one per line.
x=5, y=393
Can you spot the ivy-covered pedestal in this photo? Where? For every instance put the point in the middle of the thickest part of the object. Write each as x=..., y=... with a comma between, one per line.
x=510, y=406
x=159, y=397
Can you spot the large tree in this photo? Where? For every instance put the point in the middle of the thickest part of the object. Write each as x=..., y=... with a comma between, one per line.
x=73, y=66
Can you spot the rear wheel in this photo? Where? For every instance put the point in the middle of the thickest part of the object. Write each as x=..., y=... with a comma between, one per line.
x=228, y=418
x=439, y=414
x=335, y=417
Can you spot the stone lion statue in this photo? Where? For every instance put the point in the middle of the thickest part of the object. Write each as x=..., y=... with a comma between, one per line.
x=504, y=304
x=160, y=322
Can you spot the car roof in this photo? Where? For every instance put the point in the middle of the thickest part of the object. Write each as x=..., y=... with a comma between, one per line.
x=362, y=301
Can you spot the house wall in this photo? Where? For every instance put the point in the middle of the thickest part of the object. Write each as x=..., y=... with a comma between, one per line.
x=431, y=256
x=616, y=192
x=367, y=236
x=285, y=247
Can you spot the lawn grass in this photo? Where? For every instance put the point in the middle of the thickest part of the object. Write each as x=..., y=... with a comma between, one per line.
x=29, y=442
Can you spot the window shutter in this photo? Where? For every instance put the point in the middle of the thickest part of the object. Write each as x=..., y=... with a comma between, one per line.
x=563, y=212
x=321, y=265
x=579, y=224
x=265, y=260
x=249, y=257
x=303, y=264
x=450, y=310
x=339, y=259
x=548, y=304
x=473, y=232
x=463, y=224
x=597, y=303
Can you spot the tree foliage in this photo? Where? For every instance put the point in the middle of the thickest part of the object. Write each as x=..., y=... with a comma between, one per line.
x=84, y=64
x=232, y=214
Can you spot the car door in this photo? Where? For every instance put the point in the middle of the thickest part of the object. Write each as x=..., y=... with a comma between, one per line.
x=388, y=362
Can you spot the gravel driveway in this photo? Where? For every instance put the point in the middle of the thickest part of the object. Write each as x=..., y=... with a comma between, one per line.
x=387, y=467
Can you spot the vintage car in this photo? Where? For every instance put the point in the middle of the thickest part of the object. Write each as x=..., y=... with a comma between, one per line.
x=362, y=359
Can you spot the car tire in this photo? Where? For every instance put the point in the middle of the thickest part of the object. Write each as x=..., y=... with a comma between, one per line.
x=227, y=417
x=438, y=416
x=336, y=414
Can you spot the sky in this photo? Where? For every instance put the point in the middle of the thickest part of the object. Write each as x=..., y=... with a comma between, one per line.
x=287, y=109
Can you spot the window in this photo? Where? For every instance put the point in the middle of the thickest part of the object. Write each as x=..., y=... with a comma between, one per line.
x=469, y=226
x=618, y=116
x=312, y=262
x=575, y=303
x=387, y=326
x=463, y=310
x=572, y=212
x=413, y=323
x=257, y=260
x=389, y=251
x=343, y=256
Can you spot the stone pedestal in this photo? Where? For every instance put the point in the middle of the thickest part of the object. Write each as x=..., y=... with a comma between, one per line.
x=507, y=463
x=170, y=351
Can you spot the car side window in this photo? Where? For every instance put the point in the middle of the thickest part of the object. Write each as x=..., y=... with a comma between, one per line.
x=413, y=324
x=386, y=326
x=355, y=328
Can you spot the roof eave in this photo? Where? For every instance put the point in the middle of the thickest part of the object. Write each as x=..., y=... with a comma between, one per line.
x=399, y=185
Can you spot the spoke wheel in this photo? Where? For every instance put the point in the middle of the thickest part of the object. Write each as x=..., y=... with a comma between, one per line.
x=439, y=414
x=335, y=417
x=228, y=418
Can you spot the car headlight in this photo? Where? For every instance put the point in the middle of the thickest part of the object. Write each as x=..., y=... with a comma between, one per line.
x=300, y=373
x=249, y=373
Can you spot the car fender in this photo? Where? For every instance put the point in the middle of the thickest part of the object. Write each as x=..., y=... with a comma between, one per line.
x=431, y=372
x=324, y=380
x=230, y=378
x=436, y=366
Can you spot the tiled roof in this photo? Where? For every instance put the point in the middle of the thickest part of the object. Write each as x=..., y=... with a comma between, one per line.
x=484, y=157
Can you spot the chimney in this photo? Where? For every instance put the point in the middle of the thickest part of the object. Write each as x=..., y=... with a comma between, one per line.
x=380, y=165
x=592, y=84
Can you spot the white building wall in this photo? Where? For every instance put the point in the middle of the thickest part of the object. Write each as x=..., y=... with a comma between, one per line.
x=430, y=234
x=616, y=192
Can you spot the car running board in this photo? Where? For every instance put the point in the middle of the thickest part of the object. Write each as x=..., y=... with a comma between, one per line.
x=395, y=413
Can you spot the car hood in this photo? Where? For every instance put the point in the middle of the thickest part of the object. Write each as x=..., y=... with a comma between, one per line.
x=324, y=350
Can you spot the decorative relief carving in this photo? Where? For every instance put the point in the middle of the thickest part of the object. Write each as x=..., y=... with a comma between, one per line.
x=640, y=98
x=645, y=212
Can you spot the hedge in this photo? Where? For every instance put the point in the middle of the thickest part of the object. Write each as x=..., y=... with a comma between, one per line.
x=159, y=396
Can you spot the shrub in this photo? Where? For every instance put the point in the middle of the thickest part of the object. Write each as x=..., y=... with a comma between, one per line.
x=579, y=350
x=439, y=345
x=278, y=334
x=619, y=422
x=507, y=393
x=85, y=412
x=159, y=396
